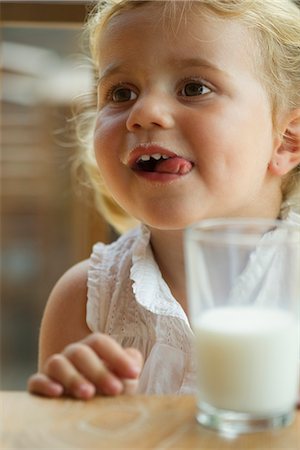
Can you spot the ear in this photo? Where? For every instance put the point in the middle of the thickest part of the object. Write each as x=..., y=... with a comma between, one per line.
x=286, y=155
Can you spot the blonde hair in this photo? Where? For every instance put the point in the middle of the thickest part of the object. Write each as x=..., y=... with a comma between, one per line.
x=276, y=27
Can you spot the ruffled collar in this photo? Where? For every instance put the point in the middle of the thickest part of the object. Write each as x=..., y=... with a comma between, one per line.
x=149, y=287
x=290, y=210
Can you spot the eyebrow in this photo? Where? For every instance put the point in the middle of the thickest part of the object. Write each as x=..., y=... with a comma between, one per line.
x=197, y=62
x=110, y=70
x=117, y=67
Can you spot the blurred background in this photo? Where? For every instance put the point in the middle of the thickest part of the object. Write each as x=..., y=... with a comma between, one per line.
x=45, y=226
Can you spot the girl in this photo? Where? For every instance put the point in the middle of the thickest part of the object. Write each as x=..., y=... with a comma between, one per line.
x=198, y=116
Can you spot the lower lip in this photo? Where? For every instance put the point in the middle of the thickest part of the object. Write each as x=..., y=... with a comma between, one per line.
x=159, y=177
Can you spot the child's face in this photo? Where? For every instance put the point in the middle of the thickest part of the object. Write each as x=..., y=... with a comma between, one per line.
x=193, y=97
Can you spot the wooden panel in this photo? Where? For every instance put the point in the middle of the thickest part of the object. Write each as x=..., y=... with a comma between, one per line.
x=135, y=423
x=67, y=12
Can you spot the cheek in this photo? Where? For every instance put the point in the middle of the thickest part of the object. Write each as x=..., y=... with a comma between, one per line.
x=103, y=131
x=229, y=153
x=214, y=145
x=106, y=135
x=108, y=145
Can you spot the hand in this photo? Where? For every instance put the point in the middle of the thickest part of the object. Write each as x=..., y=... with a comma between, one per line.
x=94, y=365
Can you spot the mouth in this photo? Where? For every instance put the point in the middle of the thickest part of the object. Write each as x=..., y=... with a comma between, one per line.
x=156, y=159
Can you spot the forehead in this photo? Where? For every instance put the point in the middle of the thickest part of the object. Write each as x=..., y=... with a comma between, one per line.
x=181, y=27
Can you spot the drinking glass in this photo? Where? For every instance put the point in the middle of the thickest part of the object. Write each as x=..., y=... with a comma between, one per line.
x=243, y=285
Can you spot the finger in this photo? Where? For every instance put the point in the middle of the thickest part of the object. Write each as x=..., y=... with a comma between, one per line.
x=88, y=363
x=136, y=356
x=113, y=355
x=61, y=370
x=40, y=384
x=130, y=386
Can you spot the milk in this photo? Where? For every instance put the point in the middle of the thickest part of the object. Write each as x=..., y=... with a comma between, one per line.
x=248, y=359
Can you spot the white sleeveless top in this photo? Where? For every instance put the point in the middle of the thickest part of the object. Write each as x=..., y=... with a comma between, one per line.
x=129, y=300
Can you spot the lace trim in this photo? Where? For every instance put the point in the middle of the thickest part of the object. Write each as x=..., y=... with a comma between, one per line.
x=149, y=287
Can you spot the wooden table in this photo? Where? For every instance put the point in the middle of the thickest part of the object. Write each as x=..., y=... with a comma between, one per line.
x=122, y=423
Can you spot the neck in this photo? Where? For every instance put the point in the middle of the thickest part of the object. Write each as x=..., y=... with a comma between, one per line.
x=167, y=247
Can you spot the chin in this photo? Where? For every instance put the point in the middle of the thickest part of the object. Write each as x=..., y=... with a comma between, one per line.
x=170, y=216
x=170, y=222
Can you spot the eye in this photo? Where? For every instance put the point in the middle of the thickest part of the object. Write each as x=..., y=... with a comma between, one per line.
x=122, y=94
x=194, y=88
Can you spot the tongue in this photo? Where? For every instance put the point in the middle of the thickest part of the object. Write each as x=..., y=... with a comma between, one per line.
x=174, y=165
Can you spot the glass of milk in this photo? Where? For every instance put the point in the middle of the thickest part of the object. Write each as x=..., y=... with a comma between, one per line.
x=243, y=285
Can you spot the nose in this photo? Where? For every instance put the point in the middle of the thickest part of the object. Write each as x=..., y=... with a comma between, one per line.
x=150, y=110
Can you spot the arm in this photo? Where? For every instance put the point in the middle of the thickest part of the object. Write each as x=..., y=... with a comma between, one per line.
x=64, y=317
x=72, y=360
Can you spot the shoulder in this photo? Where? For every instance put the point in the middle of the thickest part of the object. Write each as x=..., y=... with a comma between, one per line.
x=71, y=289
x=64, y=317
x=74, y=280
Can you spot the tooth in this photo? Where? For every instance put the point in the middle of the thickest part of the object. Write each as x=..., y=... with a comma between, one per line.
x=165, y=157
x=144, y=158
x=156, y=156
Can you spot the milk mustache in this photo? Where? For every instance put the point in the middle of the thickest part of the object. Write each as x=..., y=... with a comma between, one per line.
x=248, y=359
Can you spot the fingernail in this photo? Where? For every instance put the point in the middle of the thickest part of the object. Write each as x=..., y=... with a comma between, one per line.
x=56, y=389
x=84, y=391
x=113, y=386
